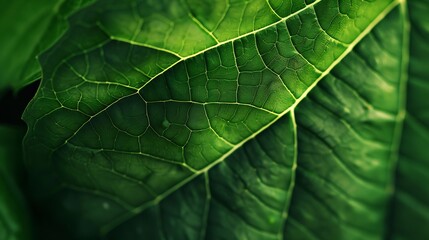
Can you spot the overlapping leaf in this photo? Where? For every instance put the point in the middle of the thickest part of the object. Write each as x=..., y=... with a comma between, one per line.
x=28, y=27
x=410, y=215
x=348, y=132
x=14, y=217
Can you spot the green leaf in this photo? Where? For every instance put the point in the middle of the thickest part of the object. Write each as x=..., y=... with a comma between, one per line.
x=347, y=140
x=175, y=119
x=28, y=27
x=411, y=202
x=348, y=132
x=262, y=173
x=14, y=215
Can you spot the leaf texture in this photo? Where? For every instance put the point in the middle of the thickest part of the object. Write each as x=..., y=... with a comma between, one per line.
x=410, y=208
x=347, y=141
x=259, y=176
x=189, y=124
x=348, y=131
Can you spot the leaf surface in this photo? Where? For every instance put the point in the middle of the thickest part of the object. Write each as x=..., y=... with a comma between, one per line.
x=348, y=132
x=125, y=120
x=411, y=202
x=258, y=176
x=348, y=129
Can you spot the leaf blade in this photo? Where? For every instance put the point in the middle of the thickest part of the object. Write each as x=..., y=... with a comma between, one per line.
x=88, y=143
x=347, y=135
x=410, y=213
